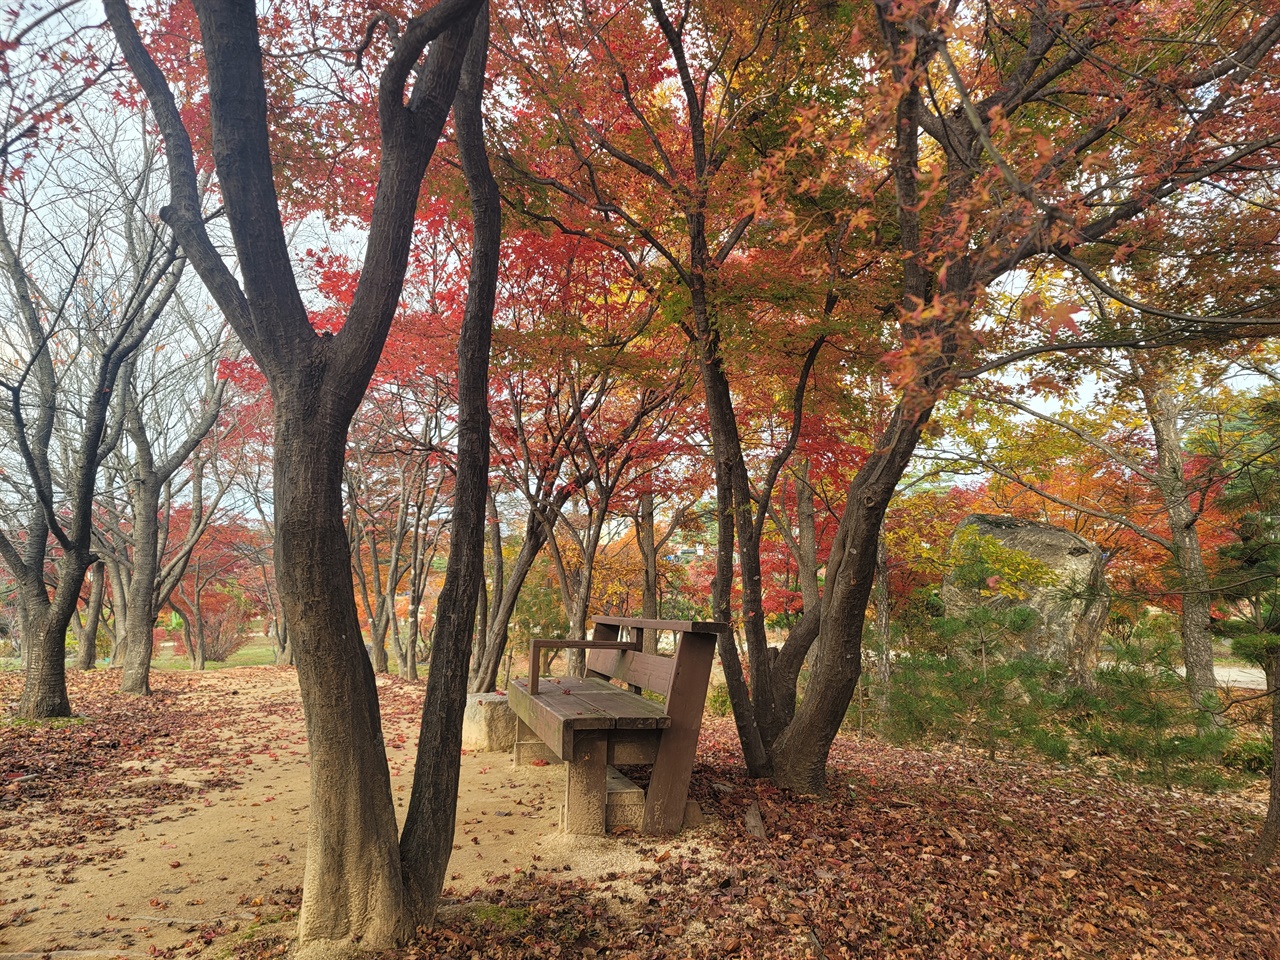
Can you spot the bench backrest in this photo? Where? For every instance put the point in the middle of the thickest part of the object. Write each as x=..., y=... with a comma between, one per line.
x=663, y=675
x=648, y=671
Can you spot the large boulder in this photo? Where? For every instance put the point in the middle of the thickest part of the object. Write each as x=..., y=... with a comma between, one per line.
x=1062, y=581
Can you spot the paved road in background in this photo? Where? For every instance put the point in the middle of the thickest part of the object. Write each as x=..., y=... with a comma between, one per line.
x=1250, y=677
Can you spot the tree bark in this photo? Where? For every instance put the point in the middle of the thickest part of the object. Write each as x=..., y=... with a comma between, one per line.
x=351, y=881
x=646, y=540
x=354, y=890
x=140, y=626
x=807, y=539
x=485, y=676
x=87, y=655
x=800, y=753
x=427, y=841
x=1268, y=845
x=1163, y=411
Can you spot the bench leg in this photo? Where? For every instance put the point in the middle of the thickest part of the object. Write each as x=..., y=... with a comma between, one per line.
x=529, y=747
x=585, y=797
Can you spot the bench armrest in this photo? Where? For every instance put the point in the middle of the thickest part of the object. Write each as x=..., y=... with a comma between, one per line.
x=537, y=646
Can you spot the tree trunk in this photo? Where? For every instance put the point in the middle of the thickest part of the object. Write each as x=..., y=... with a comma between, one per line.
x=88, y=639
x=1269, y=839
x=44, y=690
x=351, y=881
x=140, y=628
x=378, y=643
x=1163, y=411
x=119, y=610
x=646, y=540
x=807, y=540
x=485, y=676
x=427, y=841
x=800, y=753
x=492, y=599
x=884, y=632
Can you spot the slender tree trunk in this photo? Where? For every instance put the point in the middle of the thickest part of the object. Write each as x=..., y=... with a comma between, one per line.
x=1163, y=410
x=884, y=629
x=88, y=640
x=492, y=597
x=119, y=610
x=378, y=641
x=139, y=630
x=1268, y=845
x=807, y=540
x=427, y=841
x=646, y=540
x=485, y=677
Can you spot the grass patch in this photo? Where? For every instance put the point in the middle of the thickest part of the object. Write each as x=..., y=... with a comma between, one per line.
x=508, y=920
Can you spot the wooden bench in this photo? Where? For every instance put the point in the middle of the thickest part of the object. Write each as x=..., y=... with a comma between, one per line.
x=595, y=725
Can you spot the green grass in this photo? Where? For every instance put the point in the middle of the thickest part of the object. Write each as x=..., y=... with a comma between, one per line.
x=259, y=653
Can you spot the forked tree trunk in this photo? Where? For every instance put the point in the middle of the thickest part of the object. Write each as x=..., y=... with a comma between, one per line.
x=357, y=888
x=800, y=753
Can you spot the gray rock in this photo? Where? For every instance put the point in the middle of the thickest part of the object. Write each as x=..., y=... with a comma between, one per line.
x=488, y=724
x=1071, y=611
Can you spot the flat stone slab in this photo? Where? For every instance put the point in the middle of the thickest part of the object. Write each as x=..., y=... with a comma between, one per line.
x=488, y=724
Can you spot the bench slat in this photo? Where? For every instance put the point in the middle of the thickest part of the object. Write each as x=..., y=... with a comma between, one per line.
x=629, y=711
x=677, y=626
x=647, y=670
x=554, y=715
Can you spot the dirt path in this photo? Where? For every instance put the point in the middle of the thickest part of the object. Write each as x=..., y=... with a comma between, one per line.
x=118, y=876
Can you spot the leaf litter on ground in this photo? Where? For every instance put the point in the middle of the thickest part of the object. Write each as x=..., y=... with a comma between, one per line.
x=913, y=853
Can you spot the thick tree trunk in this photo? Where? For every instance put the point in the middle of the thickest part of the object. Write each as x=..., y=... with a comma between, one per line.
x=800, y=753
x=87, y=655
x=351, y=882
x=44, y=690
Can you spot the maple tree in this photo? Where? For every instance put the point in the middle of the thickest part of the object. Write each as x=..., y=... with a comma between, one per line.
x=361, y=885
x=585, y=391
x=1006, y=141
x=219, y=593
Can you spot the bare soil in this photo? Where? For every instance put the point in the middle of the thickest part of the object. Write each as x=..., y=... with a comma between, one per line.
x=176, y=838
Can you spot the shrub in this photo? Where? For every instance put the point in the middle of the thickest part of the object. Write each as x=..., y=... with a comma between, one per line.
x=1249, y=754
x=718, y=704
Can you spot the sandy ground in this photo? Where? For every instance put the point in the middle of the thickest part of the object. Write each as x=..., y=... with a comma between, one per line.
x=227, y=859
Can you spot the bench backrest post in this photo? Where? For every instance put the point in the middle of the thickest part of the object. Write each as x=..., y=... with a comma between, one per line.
x=669, y=787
